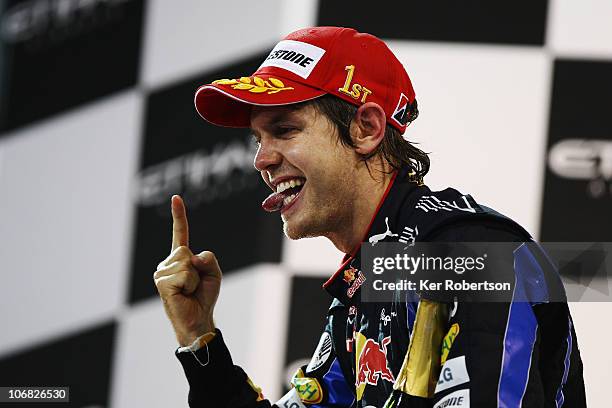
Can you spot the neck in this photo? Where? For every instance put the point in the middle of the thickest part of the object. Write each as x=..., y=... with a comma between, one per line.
x=365, y=202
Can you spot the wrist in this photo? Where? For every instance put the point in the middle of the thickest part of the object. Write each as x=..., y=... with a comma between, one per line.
x=198, y=343
x=187, y=339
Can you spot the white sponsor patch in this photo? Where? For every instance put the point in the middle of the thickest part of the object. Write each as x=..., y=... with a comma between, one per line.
x=457, y=399
x=295, y=56
x=322, y=353
x=290, y=400
x=454, y=372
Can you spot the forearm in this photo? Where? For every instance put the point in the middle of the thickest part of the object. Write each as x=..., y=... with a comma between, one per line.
x=214, y=380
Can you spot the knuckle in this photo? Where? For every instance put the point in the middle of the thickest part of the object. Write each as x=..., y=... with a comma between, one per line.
x=171, y=269
x=166, y=261
x=167, y=285
x=208, y=256
x=182, y=251
x=161, y=271
x=159, y=282
x=187, y=274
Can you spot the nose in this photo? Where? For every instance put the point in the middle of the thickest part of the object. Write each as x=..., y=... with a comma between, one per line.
x=266, y=157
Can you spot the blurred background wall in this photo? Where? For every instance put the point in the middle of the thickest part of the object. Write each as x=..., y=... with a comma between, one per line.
x=98, y=130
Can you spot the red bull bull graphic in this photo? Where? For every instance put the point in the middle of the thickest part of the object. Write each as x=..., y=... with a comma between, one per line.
x=349, y=275
x=372, y=363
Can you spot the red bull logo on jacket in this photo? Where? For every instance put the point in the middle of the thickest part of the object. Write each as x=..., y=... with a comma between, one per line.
x=372, y=363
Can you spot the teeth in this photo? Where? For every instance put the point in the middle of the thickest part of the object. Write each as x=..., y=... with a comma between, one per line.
x=289, y=199
x=288, y=184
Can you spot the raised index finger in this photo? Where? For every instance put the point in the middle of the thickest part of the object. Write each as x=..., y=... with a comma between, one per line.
x=180, y=227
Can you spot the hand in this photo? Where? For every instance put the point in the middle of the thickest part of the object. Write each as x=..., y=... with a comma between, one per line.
x=188, y=284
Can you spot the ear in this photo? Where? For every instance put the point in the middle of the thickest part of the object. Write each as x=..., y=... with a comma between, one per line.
x=368, y=127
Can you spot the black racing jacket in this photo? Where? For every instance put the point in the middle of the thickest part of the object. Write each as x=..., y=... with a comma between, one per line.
x=384, y=354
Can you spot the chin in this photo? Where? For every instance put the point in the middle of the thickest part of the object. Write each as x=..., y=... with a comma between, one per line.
x=293, y=232
x=298, y=229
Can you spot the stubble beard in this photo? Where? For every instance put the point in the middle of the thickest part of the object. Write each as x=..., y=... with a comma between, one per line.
x=315, y=220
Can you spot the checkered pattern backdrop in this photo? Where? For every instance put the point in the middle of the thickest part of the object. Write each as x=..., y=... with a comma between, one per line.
x=98, y=130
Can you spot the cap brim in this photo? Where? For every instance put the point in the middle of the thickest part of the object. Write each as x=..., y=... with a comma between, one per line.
x=229, y=102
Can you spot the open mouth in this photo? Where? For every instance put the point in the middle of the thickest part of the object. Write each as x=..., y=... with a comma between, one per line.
x=291, y=199
x=286, y=194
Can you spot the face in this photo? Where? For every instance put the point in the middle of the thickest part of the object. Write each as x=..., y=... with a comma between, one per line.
x=302, y=146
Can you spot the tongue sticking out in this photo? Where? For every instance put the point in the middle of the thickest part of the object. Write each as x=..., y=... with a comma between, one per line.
x=274, y=202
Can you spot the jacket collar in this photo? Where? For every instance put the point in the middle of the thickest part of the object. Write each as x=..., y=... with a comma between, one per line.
x=343, y=284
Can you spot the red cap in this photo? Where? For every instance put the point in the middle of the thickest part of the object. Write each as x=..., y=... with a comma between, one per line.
x=309, y=63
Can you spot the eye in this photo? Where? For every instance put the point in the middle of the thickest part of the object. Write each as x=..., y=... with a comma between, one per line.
x=285, y=130
x=256, y=140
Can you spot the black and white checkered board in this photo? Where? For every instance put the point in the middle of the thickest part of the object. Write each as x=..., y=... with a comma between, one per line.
x=98, y=130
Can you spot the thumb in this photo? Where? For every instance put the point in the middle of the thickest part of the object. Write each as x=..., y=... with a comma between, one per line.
x=206, y=264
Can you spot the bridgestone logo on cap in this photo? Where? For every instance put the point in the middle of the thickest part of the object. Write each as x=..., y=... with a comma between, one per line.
x=295, y=56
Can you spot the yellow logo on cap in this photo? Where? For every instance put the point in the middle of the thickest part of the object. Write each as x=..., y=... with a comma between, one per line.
x=255, y=85
x=354, y=91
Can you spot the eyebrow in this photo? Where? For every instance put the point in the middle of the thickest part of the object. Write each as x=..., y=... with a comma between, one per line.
x=273, y=120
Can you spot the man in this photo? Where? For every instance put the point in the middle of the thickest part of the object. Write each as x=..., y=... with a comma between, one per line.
x=328, y=108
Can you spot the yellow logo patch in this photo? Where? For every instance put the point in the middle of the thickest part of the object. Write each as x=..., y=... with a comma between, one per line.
x=448, y=341
x=255, y=84
x=308, y=389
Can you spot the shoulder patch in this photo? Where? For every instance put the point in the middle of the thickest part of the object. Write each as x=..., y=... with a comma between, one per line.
x=321, y=354
x=308, y=389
